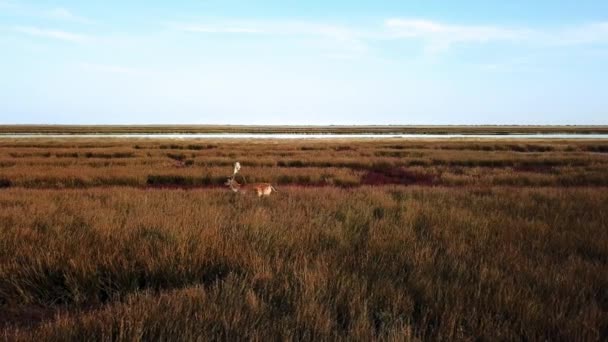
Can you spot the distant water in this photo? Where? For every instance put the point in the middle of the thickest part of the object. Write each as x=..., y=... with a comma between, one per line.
x=306, y=136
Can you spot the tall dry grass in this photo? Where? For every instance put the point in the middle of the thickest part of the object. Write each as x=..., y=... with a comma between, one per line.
x=367, y=263
x=369, y=240
x=144, y=163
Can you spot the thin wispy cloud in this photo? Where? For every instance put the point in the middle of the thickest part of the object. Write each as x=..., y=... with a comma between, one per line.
x=421, y=28
x=339, y=33
x=267, y=27
x=52, y=34
x=440, y=36
x=214, y=29
x=67, y=15
x=592, y=33
x=8, y=4
x=112, y=69
x=525, y=64
x=437, y=36
x=31, y=11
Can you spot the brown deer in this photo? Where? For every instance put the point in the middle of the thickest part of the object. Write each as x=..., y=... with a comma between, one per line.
x=262, y=189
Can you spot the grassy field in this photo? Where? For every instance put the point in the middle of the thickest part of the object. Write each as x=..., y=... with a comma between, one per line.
x=71, y=163
x=153, y=129
x=366, y=240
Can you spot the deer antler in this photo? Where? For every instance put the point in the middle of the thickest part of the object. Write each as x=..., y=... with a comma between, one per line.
x=262, y=189
x=237, y=167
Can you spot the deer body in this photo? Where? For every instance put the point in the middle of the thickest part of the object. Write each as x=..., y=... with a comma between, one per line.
x=261, y=189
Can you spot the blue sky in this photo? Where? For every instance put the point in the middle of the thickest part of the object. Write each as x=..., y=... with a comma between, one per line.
x=304, y=62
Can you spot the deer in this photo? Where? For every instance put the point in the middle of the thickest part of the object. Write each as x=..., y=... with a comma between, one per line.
x=262, y=189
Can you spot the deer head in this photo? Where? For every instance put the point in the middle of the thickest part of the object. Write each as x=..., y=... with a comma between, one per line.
x=234, y=185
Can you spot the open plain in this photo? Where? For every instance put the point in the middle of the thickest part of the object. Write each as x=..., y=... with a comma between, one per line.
x=388, y=239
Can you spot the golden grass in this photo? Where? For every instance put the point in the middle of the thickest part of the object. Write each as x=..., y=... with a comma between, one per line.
x=456, y=259
x=141, y=163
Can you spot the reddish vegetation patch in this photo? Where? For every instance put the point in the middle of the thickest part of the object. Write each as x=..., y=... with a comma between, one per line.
x=533, y=168
x=24, y=317
x=215, y=186
x=316, y=185
x=182, y=186
x=304, y=185
x=396, y=176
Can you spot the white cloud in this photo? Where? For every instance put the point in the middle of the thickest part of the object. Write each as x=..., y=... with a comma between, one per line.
x=436, y=36
x=27, y=10
x=440, y=36
x=592, y=33
x=342, y=34
x=113, y=69
x=215, y=29
x=526, y=63
x=393, y=28
x=66, y=15
x=8, y=4
x=52, y=34
x=266, y=27
x=414, y=28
